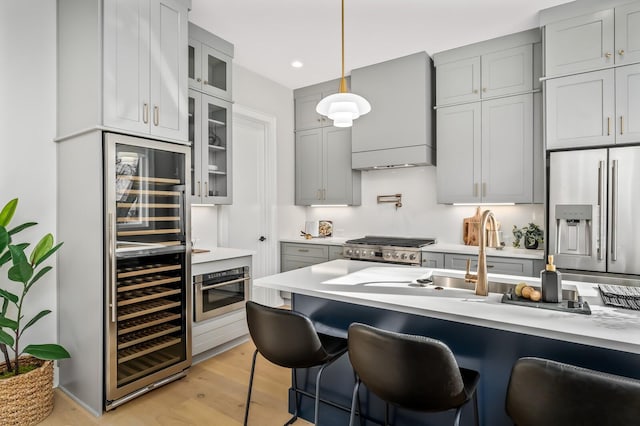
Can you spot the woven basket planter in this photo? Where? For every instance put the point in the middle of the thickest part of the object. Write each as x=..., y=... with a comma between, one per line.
x=27, y=399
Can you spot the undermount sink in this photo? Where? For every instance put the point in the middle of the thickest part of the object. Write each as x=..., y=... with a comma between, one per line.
x=494, y=287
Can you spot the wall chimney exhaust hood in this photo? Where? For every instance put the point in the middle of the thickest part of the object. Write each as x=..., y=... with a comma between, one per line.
x=398, y=132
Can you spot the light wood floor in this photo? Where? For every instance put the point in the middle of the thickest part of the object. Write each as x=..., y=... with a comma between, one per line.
x=213, y=393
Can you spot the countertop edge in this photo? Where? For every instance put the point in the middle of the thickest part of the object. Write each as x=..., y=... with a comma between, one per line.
x=219, y=253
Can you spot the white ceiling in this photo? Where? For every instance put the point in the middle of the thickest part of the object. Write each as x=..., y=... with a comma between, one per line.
x=269, y=34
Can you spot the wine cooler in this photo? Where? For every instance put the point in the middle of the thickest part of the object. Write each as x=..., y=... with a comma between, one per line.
x=148, y=274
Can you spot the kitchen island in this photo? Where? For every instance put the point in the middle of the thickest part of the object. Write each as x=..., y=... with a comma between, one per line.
x=484, y=334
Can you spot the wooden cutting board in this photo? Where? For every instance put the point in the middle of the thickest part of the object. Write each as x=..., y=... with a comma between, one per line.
x=470, y=228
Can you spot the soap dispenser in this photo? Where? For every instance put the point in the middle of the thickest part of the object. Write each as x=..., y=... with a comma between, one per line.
x=551, y=281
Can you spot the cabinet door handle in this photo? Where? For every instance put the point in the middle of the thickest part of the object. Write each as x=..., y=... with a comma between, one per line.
x=621, y=125
x=206, y=188
x=475, y=91
x=621, y=52
x=303, y=250
x=198, y=79
x=475, y=189
x=206, y=82
x=607, y=55
x=324, y=194
x=484, y=89
x=199, y=190
x=145, y=113
x=156, y=115
x=601, y=210
x=319, y=194
x=484, y=189
x=608, y=126
x=112, y=269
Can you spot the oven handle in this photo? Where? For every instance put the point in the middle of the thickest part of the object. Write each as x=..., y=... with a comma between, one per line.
x=209, y=287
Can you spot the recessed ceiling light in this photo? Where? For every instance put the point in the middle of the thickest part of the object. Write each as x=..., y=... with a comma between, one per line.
x=297, y=64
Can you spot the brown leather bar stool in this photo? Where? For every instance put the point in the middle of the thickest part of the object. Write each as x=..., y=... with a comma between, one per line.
x=413, y=372
x=550, y=393
x=289, y=339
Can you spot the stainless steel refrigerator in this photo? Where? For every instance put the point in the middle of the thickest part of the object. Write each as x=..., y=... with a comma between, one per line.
x=594, y=211
x=125, y=275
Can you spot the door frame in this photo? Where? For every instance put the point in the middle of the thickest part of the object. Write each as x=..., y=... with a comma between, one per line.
x=270, y=261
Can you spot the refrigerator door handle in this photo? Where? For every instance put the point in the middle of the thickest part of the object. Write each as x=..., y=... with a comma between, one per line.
x=614, y=211
x=112, y=269
x=601, y=167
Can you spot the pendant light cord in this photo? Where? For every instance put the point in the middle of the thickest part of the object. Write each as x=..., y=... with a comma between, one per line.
x=343, y=82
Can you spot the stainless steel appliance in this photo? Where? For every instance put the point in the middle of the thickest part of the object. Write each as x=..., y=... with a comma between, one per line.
x=405, y=251
x=593, y=211
x=148, y=266
x=220, y=292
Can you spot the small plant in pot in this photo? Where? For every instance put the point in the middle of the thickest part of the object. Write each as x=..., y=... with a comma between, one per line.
x=26, y=382
x=533, y=236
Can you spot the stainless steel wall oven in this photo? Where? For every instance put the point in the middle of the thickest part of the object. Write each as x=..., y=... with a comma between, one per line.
x=220, y=292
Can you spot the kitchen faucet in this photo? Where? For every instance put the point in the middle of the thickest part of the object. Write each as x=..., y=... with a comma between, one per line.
x=480, y=279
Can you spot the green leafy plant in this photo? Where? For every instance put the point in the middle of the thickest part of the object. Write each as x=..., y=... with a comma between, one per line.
x=27, y=271
x=517, y=236
x=533, y=235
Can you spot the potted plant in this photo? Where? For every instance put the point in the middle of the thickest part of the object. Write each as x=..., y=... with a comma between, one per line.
x=517, y=236
x=533, y=236
x=26, y=381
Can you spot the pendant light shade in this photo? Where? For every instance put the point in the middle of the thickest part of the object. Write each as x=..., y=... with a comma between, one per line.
x=343, y=107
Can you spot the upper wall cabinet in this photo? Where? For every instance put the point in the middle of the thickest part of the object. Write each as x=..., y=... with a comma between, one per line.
x=489, y=125
x=132, y=75
x=398, y=130
x=594, y=108
x=144, y=68
x=500, y=73
x=593, y=41
x=306, y=99
x=210, y=66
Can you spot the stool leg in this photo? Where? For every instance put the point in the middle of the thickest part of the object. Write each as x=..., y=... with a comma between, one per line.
x=386, y=414
x=355, y=398
x=253, y=367
x=456, y=421
x=317, y=409
x=294, y=381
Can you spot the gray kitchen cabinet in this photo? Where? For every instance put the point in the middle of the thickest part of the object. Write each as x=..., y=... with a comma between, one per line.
x=432, y=260
x=300, y=255
x=211, y=149
x=485, y=151
x=593, y=41
x=398, y=129
x=538, y=150
x=594, y=108
x=145, y=88
x=305, y=101
x=495, y=264
x=210, y=63
x=628, y=103
x=323, y=168
x=627, y=33
x=498, y=67
x=579, y=44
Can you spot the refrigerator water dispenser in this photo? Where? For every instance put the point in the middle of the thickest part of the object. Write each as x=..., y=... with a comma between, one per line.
x=574, y=229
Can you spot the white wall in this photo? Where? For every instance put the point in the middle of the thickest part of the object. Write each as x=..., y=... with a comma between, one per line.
x=420, y=214
x=27, y=129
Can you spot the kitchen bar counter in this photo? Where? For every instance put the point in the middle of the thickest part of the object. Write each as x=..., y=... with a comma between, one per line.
x=484, y=334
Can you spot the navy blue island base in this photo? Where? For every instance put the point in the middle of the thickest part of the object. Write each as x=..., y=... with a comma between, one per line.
x=489, y=351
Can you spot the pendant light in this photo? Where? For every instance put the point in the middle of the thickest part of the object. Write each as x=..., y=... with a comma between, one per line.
x=343, y=107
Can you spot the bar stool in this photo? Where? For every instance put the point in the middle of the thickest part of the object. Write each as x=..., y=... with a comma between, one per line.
x=408, y=371
x=289, y=339
x=550, y=393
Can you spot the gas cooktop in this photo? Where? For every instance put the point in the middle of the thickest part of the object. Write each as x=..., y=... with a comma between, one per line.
x=393, y=241
x=387, y=249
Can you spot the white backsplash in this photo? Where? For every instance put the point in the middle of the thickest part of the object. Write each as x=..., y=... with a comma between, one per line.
x=204, y=226
x=420, y=214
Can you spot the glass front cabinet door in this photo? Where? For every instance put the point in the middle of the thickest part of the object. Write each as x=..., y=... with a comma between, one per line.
x=210, y=61
x=210, y=136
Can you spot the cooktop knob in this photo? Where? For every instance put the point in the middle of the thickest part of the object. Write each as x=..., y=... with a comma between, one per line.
x=412, y=256
x=387, y=255
x=396, y=255
x=357, y=252
x=404, y=256
x=349, y=251
x=372, y=253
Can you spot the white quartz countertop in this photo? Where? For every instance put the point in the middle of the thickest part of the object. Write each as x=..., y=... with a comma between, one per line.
x=219, y=253
x=328, y=241
x=505, y=252
x=387, y=287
